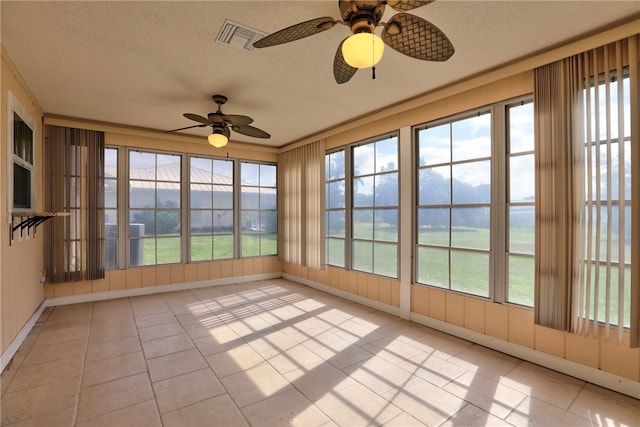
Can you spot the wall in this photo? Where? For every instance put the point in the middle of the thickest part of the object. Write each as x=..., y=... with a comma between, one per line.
x=21, y=292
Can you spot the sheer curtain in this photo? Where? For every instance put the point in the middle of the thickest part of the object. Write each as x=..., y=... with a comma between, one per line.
x=301, y=205
x=585, y=147
x=74, y=163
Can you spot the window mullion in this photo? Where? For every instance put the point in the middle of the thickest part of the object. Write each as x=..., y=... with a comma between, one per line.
x=498, y=277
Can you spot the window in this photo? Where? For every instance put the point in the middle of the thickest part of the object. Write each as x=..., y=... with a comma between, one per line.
x=361, y=213
x=520, y=205
x=454, y=204
x=335, y=208
x=258, y=202
x=111, y=231
x=475, y=222
x=21, y=142
x=211, y=234
x=154, y=208
x=375, y=207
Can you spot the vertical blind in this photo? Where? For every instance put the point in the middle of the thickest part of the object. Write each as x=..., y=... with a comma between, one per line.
x=586, y=210
x=301, y=205
x=74, y=166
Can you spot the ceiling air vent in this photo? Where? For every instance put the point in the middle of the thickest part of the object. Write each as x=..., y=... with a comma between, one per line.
x=238, y=35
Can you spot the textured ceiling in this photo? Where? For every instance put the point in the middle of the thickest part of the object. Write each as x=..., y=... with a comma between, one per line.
x=143, y=64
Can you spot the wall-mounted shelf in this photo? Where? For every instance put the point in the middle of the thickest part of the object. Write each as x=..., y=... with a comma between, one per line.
x=27, y=222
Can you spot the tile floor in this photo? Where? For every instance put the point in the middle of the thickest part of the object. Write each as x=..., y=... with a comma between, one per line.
x=275, y=353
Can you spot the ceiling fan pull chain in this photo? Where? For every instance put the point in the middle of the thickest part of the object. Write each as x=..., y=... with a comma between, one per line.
x=373, y=67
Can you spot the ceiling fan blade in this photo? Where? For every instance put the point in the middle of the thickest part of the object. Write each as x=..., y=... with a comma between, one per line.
x=296, y=32
x=197, y=118
x=342, y=71
x=187, y=127
x=237, y=120
x=404, y=5
x=417, y=38
x=251, y=131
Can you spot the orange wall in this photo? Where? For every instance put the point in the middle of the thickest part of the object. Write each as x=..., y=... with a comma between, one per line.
x=21, y=262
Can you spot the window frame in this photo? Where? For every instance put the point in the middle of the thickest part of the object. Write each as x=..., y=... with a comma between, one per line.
x=349, y=177
x=15, y=108
x=499, y=182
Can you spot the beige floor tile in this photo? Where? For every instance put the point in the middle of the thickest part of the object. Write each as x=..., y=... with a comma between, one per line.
x=103, y=370
x=167, y=345
x=64, y=332
x=40, y=401
x=76, y=313
x=107, y=397
x=471, y=415
x=216, y=343
x=424, y=401
x=403, y=420
x=98, y=350
x=175, y=364
x=149, y=304
x=160, y=331
x=486, y=362
x=536, y=412
x=138, y=415
x=107, y=332
x=234, y=360
x=442, y=345
x=51, y=352
x=296, y=357
x=605, y=407
x=255, y=384
x=377, y=374
x=287, y=408
x=113, y=312
x=487, y=394
x=544, y=384
x=45, y=373
x=272, y=343
x=321, y=379
x=350, y=355
x=187, y=389
x=154, y=319
x=356, y=405
x=433, y=369
x=219, y=411
x=392, y=350
x=54, y=418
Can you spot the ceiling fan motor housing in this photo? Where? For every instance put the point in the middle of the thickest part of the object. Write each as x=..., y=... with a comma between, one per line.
x=362, y=16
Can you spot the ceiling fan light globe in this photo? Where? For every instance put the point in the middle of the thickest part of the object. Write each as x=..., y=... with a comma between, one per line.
x=362, y=50
x=218, y=140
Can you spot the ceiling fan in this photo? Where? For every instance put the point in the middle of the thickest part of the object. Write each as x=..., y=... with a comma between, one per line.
x=408, y=34
x=221, y=123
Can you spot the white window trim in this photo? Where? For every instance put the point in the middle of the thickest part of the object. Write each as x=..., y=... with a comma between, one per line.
x=14, y=106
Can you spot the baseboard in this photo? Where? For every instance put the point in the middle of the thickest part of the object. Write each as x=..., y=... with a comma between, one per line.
x=345, y=295
x=22, y=335
x=135, y=292
x=125, y=293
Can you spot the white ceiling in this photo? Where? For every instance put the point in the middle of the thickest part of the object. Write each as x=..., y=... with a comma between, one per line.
x=143, y=64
